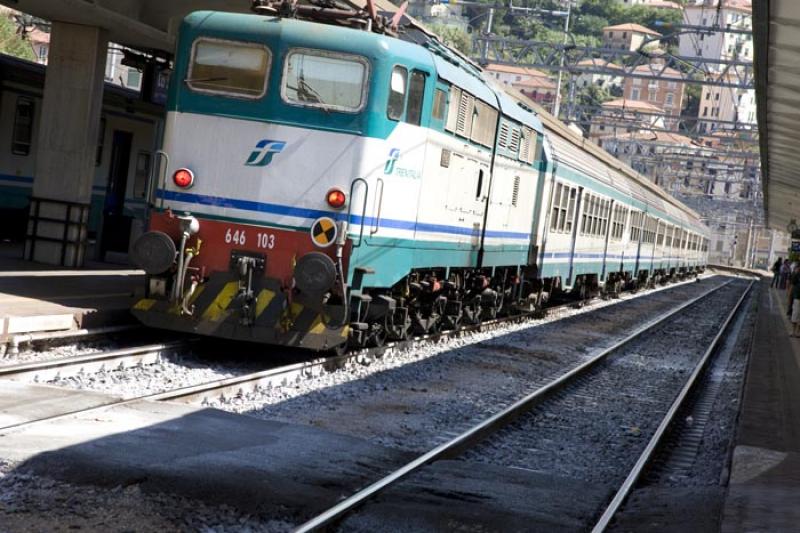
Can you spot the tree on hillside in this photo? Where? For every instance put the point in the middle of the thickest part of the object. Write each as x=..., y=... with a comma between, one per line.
x=593, y=95
x=453, y=37
x=607, y=9
x=11, y=43
x=589, y=25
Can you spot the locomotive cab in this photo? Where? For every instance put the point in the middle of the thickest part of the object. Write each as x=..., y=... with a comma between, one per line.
x=261, y=158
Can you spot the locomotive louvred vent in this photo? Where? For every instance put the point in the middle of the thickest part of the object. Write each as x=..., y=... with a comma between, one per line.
x=524, y=147
x=514, y=144
x=503, y=139
x=527, y=151
x=515, y=192
x=452, y=109
x=465, y=110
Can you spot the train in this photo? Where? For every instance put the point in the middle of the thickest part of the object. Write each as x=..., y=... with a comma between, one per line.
x=327, y=182
x=128, y=137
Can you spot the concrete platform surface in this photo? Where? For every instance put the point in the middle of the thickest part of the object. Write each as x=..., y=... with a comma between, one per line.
x=21, y=402
x=764, y=490
x=36, y=297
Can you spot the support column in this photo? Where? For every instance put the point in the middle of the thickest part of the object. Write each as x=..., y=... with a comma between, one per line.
x=65, y=154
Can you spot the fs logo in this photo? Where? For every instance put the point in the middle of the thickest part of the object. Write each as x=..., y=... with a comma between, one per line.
x=264, y=152
x=394, y=155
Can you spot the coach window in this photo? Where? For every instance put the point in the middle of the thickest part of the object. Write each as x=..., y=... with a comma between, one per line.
x=573, y=193
x=556, y=209
x=229, y=68
x=327, y=80
x=397, y=93
x=23, y=127
x=416, y=95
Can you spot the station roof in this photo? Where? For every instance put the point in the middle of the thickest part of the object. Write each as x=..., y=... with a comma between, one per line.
x=776, y=32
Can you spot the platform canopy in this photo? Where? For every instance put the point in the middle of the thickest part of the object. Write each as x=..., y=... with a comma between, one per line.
x=776, y=33
x=148, y=24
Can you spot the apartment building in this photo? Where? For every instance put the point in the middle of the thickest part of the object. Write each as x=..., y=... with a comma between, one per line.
x=662, y=4
x=621, y=116
x=533, y=83
x=666, y=91
x=606, y=74
x=728, y=46
x=724, y=108
x=629, y=37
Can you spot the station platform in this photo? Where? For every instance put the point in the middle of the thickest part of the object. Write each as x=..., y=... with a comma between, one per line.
x=764, y=487
x=38, y=298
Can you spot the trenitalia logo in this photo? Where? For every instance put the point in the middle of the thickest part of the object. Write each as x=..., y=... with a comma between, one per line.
x=394, y=155
x=264, y=152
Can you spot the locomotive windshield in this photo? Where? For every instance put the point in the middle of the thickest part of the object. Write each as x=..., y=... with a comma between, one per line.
x=229, y=68
x=327, y=80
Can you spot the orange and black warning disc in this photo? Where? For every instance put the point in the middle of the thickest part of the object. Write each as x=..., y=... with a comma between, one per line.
x=324, y=231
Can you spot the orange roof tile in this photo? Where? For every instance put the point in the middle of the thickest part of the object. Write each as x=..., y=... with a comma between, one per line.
x=535, y=83
x=510, y=69
x=633, y=105
x=599, y=63
x=659, y=69
x=636, y=28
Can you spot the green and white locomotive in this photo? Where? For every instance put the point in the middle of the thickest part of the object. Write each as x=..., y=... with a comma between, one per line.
x=325, y=186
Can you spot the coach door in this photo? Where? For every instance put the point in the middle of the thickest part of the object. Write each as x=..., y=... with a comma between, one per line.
x=116, y=226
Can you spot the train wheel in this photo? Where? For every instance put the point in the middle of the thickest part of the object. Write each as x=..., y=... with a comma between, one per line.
x=377, y=335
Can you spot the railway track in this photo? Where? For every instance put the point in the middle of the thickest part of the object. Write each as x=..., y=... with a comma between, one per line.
x=491, y=426
x=200, y=393
x=49, y=369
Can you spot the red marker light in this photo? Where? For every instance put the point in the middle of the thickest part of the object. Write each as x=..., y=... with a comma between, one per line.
x=336, y=198
x=183, y=178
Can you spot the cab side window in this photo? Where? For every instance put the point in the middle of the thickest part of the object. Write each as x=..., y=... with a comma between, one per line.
x=406, y=95
x=397, y=93
x=416, y=94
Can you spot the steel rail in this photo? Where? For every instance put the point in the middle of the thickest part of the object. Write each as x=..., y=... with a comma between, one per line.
x=279, y=375
x=271, y=377
x=478, y=432
x=655, y=440
x=65, y=366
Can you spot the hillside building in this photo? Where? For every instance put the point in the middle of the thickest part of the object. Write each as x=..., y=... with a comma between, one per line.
x=720, y=106
x=662, y=4
x=613, y=78
x=533, y=83
x=621, y=116
x=665, y=92
x=629, y=37
x=719, y=46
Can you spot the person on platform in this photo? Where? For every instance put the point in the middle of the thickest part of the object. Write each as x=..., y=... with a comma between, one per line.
x=776, y=273
x=795, y=299
x=786, y=269
x=793, y=289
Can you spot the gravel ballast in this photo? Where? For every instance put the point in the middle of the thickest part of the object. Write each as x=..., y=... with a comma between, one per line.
x=34, y=503
x=414, y=400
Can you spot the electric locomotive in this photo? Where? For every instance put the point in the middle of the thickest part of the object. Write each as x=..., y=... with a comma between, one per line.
x=326, y=186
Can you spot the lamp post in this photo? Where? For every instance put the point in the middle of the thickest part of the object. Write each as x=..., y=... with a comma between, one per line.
x=557, y=104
